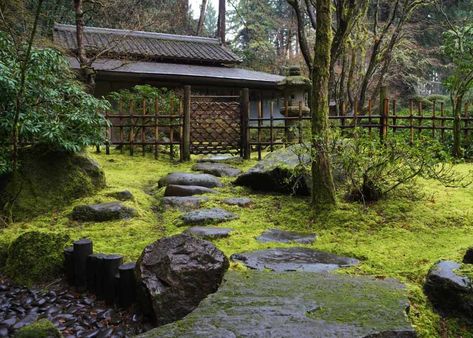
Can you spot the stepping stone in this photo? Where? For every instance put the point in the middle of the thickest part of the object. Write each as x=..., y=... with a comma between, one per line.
x=102, y=212
x=280, y=236
x=243, y=202
x=296, y=305
x=209, y=232
x=124, y=195
x=293, y=259
x=184, y=203
x=217, y=169
x=229, y=159
x=187, y=190
x=202, y=180
x=208, y=216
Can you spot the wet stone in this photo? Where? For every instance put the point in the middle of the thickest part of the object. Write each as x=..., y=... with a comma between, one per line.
x=208, y=216
x=217, y=169
x=209, y=232
x=102, y=212
x=297, y=304
x=281, y=236
x=242, y=202
x=124, y=195
x=227, y=158
x=186, y=190
x=184, y=203
x=293, y=259
x=202, y=180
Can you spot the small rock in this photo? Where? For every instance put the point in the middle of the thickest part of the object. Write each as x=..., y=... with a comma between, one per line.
x=102, y=212
x=202, y=180
x=449, y=292
x=293, y=259
x=280, y=236
x=208, y=216
x=124, y=195
x=186, y=190
x=217, y=169
x=468, y=258
x=209, y=232
x=243, y=202
x=175, y=273
x=184, y=203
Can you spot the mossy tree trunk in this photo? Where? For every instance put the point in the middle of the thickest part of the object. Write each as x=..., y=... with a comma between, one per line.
x=323, y=188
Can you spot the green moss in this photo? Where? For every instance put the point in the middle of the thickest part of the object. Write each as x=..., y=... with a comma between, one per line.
x=35, y=257
x=43, y=328
x=3, y=253
x=400, y=237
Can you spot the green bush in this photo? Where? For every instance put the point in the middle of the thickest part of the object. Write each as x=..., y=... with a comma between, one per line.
x=43, y=328
x=51, y=108
x=35, y=257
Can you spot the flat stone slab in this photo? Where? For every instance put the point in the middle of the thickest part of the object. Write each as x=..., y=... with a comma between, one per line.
x=208, y=216
x=293, y=259
x=123, y=195
x=217, y=169
x=209, y=232
x=202, y=180
x=186, y=190
x=184, y=203
x=299, y=304
x=243, y=202
x=102, y=212
x=281, y=236
x=226, y=158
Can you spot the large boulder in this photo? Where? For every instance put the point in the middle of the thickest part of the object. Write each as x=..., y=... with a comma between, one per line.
x=48, y=180
x=202, y=180
x=35, y=257
x=102, y=212
x=176, y=273
x=280, y=171
x=449, y=292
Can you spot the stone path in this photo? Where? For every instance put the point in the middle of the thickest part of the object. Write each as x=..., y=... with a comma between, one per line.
x=298, y=297
x=277, y=305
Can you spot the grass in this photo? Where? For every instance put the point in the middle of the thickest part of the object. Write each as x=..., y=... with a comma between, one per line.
x=400, y=237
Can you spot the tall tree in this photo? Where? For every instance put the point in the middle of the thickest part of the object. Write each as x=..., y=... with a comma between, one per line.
x=222, y=22
x=200, y=24
x=323, y=188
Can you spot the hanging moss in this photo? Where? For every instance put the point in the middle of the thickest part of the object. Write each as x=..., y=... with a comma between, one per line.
x=43, y=328
x=35, y=257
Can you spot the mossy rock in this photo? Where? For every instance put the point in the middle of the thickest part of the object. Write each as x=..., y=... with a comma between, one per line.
x=43, y=328
x=35, y=257
x=3, y=253
x=46, y=181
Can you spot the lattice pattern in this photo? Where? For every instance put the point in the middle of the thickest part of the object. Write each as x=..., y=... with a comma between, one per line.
x=215, y=125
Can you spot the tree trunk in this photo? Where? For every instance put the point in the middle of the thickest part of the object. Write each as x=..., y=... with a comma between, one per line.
x=323, y=188
x=200, y=25
x=221, y=20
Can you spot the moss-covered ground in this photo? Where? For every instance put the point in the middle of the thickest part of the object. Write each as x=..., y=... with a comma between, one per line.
x=399, y=237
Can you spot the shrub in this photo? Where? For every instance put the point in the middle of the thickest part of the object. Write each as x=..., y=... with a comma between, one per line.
x=51, y=108
x=35, y=257
x=373, y=168
x=43, y=328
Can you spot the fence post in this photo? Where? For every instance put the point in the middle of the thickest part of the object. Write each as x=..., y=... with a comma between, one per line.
x=186, y=132
x=383, y=130
x=245, y=136
x=457, y=128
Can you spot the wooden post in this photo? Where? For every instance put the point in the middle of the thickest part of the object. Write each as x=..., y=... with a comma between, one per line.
x=245, y=115
x=260, y=117
x=457, y=129
x=110, y=264
x=394, y=116
x=132, y=128
x=120, y=121
x=93, y=262
x=143, y=129
x=370, y=112
x=300, y=122
x=108, y=134
x=355, y=113
x=442, y=122
x=271, y=122
x=433, y=118
x=82, y=249
x=126, y=285
x=69, y=264
x=383, y=113
x=342, y=116
x=186, y=133
x=421, y=116
x=171, y=130
x=156, y=129
x=411, y=122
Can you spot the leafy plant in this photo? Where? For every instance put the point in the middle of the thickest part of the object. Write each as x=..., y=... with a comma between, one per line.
x=51, y=109
x=372, y=168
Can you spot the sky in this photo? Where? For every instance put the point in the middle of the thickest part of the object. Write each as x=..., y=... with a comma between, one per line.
x=195, y=5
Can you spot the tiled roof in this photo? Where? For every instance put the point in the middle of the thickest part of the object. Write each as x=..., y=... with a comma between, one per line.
x=155, y=69
x=147, y=46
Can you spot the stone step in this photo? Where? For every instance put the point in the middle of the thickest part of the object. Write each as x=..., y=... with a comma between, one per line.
x=209, y=232
x=187, y=190
x=102, y=212
x=217, y=169
x=243, y=202
x=202, y=180
x=183, y=203
x=208, y=216
x=281, y=236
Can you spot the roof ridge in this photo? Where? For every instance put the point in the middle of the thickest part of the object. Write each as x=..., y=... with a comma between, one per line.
x=137, y=33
